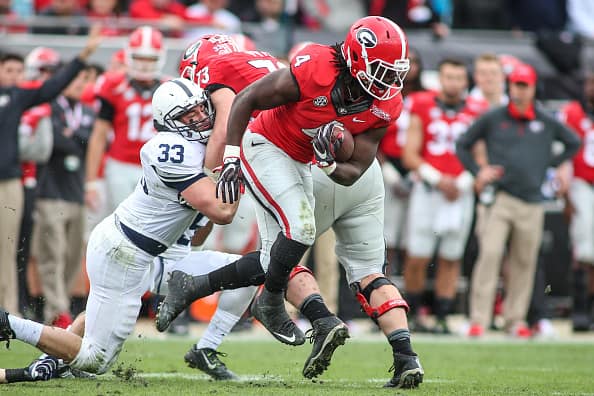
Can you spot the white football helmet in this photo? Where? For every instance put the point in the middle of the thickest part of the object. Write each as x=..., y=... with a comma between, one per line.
x=177, y=97
x=145, y=53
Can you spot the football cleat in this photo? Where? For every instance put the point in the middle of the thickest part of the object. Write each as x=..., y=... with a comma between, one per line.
x=6, y=332
x=327, y=334
x=183, y=290
x=269, y=309
x=408, y=372
x=207, y=360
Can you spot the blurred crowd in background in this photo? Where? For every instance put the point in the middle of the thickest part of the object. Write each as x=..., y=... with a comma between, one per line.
x=509, y=293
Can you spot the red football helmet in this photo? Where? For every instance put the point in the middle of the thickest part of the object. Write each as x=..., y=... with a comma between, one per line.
x=40, y=60
x=244, y=43
x=376, y=53
x=208, y=45
x=145, y=53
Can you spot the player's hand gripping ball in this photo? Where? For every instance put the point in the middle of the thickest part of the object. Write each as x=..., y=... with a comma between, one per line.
x=332, y=143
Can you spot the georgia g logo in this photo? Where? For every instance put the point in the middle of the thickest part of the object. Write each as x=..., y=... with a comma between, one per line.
x=192, y=49
x=366, y=37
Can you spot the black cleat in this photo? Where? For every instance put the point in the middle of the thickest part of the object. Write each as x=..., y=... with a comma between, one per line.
x=269, y=309
x=408, y=372
x=441, y=327
x=6, y=332
x=327, y=334
x=183, y=290
x=207, y=360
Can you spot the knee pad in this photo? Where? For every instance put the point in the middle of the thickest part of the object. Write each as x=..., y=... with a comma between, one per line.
x=90, y=358
x=364, y=297
x=287, y=252
x=249, y=268
x=299, y=269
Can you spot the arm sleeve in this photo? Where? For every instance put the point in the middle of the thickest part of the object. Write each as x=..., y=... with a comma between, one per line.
x=106, y=110
x=569, y=139
x=465, y=142
x=53, y=86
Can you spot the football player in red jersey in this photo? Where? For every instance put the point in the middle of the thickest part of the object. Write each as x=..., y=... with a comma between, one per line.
x=126, y=109
x=357, y=84
x=579, y=116
x=442, y=198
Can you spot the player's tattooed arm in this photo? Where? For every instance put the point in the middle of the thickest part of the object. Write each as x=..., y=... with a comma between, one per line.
x=366, y=145
x=275, y=89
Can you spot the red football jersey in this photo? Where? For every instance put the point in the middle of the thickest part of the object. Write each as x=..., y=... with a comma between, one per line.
x=395, y=137
x=442, y=127
x=236, y=70
x=574, y=115
x=291, y=127
x=132, y=117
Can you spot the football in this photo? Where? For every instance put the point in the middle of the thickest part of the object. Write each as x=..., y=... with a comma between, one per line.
x=345, y=151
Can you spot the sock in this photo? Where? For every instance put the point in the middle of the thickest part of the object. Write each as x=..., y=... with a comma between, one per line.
x=400, y=342
x=246, y=271
x=220, y=325
x=77, y=305
x=284, y=255
x=414, y=302
x=443, y=306
x=580, y=293
x=25, y=330
x=313, y=308
x=16, y=375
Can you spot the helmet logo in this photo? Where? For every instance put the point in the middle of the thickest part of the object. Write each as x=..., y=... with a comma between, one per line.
x=366, y=38
x=192, y=49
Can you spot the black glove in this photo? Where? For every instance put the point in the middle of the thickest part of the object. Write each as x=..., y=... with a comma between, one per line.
x=326, y=144
x=229, y=183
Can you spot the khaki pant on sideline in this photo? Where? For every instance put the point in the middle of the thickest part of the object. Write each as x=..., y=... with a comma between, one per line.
x=58, y=247
x=523, y=221
x=11, y=211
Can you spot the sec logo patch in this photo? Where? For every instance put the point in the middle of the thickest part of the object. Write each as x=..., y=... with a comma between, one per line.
x=320, y=101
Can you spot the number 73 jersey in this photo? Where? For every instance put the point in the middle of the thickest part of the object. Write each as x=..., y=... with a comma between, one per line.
x=156, y=209
x=132, y=116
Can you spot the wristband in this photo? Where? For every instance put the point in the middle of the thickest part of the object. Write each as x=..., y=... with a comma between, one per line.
x=429, y=174
x=231, y=151
x=329, y=169
x=91, y=185
x=465, y=181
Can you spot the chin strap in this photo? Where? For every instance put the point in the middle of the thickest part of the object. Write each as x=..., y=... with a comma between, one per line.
x=364, y=296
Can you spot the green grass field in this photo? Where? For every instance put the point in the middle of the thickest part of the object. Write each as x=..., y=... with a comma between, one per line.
x=155, y=367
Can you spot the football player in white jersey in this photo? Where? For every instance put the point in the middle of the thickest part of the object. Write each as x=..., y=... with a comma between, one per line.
x=122, y=248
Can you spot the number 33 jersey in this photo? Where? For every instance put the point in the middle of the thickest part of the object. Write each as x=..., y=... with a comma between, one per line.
x=156, y=209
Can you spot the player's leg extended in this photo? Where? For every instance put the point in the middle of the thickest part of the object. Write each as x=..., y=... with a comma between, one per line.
x=190, y=280
x=328, y=332
x=287, y=198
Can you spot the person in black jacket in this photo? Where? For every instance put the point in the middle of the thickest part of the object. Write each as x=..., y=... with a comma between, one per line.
x=14, y=101
x=60, y=207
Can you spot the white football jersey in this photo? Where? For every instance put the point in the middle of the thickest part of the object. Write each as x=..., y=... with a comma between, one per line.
x=183, y=246
x=156, y=208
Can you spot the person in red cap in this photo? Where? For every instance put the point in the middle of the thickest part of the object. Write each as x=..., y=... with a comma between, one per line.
x=518, y=139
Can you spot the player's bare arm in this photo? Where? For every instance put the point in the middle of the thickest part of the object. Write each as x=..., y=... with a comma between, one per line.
x=366, y=145
x=221, y=99
x=276, y=89
x=201, y=196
